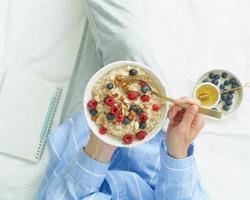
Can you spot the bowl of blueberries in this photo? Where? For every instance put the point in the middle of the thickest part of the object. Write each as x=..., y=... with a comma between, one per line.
x=224, y=81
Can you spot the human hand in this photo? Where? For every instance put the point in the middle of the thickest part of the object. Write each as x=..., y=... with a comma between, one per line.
x=99, y=150
x=184, y=126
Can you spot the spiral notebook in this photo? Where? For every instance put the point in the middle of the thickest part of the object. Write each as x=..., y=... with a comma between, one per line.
x=27, y=108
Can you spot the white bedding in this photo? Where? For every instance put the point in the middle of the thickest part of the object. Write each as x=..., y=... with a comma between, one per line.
x=42, y=38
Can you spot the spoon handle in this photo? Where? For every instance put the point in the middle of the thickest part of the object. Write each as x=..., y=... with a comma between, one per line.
x=202, y=110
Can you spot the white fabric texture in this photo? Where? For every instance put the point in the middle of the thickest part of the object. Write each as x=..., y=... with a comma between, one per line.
x=188, y=38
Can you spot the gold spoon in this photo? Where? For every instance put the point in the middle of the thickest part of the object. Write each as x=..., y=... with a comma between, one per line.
x=202, y=110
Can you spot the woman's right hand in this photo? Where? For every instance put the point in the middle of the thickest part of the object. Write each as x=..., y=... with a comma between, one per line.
x=184, y=126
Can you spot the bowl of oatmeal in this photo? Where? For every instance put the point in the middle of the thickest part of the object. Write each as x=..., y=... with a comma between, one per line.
x=121, y=110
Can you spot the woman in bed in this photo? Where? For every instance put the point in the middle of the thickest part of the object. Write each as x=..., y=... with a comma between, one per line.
x=83, y=167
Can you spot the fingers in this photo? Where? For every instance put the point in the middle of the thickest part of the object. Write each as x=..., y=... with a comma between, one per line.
x=189, y=116
x=197, y=125
x=176, y=108
x=188, y=100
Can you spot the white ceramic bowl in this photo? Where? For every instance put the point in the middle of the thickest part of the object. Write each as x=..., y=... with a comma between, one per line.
x=237, y=97
x=212, y=85
x=88, y=95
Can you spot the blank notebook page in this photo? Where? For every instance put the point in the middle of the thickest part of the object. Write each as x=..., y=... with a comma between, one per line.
x=24, y=103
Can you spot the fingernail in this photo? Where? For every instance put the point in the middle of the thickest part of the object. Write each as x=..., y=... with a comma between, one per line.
x=194, y=109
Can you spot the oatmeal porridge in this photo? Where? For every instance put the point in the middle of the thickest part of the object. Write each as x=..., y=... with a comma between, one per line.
x=127, y=109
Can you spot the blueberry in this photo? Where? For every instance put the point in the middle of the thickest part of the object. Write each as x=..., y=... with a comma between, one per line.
x=93, y=112
x=222, y=86
x=126, y=121
x=211, y=75
x=224, y=97
x=226, y=108
x=139, y=111
x=217, y=76
x=110, y=86
x=233, y=81
x=227, y=82
x=230, y=96
x=133, y=107
x=133, y=72
x=110, y=117
x=234, y=86
x=145, y=89
x=224, y=75
x=229, y=102
x=215, y=81
x=142, y=125
x=205, y=81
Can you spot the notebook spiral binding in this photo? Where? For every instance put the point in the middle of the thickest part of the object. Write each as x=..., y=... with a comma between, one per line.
x=48, y=122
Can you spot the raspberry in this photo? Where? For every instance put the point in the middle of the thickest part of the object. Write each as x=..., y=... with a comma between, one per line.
x=143, y=117
x=127, y=139
x=156, y=107
x=142, y=83
x=114, y=110
x=132, y=95
x=103, y=130
x=145, y=98
x=92, y=104
x=109, y=101
x=120, y=118
x=140, y=135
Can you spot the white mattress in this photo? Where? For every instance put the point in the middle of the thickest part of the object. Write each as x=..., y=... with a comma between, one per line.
x=188, y=38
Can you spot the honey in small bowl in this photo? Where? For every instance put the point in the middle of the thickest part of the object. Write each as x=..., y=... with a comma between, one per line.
x=208, y=94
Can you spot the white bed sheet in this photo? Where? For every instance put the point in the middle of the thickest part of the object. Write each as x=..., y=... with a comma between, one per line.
x=42, y=37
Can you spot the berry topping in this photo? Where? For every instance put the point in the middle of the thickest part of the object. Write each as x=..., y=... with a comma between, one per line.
x=142, y=125
x=230, y=96
x=132, y=95
x=229, y=102
x=217, y=76
x=142, y=83
x=224, y=97
x=133, y=107
x=205, y=81
x=145, y=89
x=215, y=81
x=103, y=130
x=109, y=101
x=143, y=117
x=227, y=82
x=93, y=112
x=145, y=98
x=126, y=120
x=119, y=118
x=226, y=108
x=156, y=107
x=110, y=117
x=110, y=86
x=133, y=72
x=233, y=81
x=139, y=111
x=224, y=75
x=235, y=85
x=140, y=135
x=128, y=139
x=92, y=104
x=114, y=110
x=222, y=86
x=211, y=75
